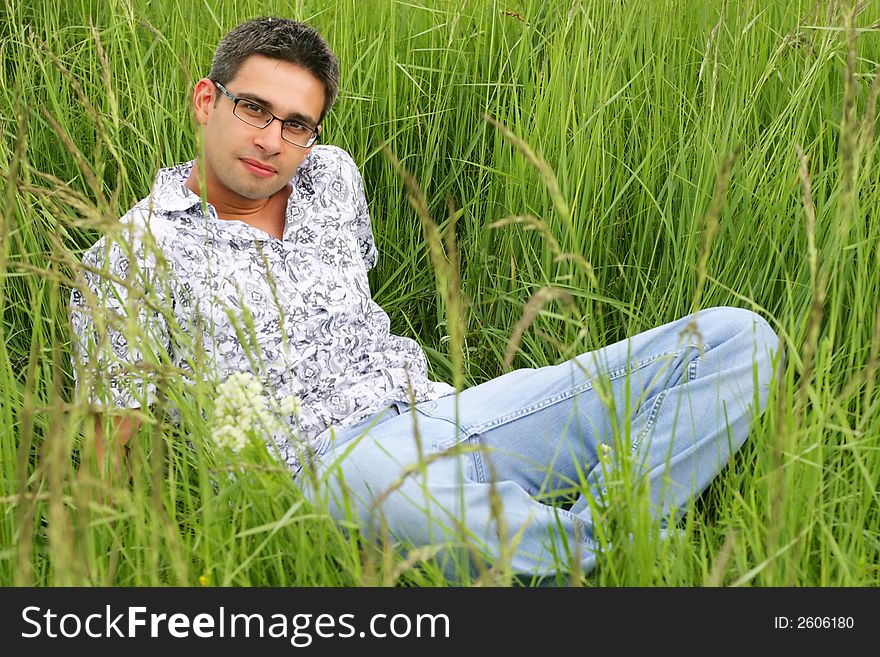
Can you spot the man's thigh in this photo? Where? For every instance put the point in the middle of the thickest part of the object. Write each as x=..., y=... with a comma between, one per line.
x=542, y=427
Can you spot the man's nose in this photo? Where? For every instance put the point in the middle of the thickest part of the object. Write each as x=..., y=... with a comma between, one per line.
x=269, y=138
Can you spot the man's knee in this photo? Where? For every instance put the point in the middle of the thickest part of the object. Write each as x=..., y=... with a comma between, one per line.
x=765, y=342
x=741, y=322
x=744, y=332
x=756, y=336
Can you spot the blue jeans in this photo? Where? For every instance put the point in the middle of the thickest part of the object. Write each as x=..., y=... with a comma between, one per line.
x=483, y=468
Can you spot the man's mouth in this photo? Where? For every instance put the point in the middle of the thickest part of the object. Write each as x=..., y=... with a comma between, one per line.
x=258, y=168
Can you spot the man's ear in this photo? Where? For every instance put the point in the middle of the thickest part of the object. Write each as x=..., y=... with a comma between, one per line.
x=203, y=100
x=320, y=129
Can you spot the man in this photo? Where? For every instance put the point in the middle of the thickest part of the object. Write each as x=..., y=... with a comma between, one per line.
x=264, y=244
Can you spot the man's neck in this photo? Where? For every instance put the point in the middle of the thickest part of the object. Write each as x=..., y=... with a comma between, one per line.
x=267, y=214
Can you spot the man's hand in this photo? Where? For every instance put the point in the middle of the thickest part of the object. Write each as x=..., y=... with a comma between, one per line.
x=123, y=428
x=111, y=451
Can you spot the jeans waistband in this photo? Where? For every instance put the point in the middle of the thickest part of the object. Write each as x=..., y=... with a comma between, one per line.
x=341, y=434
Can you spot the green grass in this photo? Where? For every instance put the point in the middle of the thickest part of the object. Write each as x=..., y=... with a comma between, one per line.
x=637, y=109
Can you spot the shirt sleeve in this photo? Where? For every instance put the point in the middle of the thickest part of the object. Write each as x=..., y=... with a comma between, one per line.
x=120, y=335
x=364, y=228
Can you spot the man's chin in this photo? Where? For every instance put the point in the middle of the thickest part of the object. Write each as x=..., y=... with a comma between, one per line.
x=256, y=193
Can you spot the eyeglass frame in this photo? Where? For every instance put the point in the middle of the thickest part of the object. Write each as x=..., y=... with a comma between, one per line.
x=236, y=100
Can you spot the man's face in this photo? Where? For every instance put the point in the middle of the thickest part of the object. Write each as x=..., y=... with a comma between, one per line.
x=241, y=160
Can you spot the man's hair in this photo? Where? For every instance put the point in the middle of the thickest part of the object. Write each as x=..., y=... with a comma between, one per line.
x=278, y=38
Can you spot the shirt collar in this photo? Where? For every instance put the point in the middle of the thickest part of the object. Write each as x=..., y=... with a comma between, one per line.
x=171, y=196
x=170, y=193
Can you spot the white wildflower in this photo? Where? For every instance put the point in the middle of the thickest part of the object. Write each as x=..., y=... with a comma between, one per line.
x=242, y=412
x=289, y=405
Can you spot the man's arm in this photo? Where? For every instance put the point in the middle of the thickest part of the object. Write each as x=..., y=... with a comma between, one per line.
x=116, y=341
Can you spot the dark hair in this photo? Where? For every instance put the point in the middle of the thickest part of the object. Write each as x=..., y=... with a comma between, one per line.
x=278, y=38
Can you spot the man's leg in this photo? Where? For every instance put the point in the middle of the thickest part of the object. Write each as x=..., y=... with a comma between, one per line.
x=470, y=469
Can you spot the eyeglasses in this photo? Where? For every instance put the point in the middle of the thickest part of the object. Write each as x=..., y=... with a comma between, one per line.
x=293, y=132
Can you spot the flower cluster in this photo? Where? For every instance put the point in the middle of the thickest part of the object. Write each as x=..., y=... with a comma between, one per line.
x=243, y=413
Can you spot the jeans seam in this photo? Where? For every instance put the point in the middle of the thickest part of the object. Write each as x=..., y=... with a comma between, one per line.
x=649, y=423
x=690, y=375
x=562, y=396
x=692, y=366
x=479, y=467
x=576, y=520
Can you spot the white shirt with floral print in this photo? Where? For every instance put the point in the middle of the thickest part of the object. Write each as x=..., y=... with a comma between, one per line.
x=296, y=312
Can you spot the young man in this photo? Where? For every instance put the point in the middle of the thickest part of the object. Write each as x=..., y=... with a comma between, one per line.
x=265, y=245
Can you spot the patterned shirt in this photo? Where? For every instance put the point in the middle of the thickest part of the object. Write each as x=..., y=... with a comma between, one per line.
x=296, y=312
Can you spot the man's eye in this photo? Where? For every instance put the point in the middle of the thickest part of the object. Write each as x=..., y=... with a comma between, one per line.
x=296, y=127
x=253, y=110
